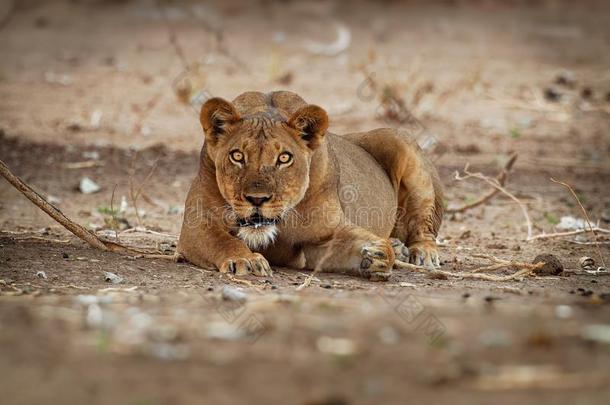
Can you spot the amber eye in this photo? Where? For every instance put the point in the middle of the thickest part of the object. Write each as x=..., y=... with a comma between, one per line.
x=237, y=156
x=284, y=158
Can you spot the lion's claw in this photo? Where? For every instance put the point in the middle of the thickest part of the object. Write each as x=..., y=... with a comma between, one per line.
x=424, y=254
x=241, y=266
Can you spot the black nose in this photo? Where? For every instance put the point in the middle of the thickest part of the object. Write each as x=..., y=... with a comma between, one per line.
x=257, y=201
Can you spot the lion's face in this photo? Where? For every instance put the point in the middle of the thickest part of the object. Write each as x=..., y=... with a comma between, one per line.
x=262, y=163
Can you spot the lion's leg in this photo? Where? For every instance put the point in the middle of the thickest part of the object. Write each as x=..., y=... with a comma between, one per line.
x=354, y=250
x=213, y=245
x=418, y=189
x=205, y=241
x=420, y=209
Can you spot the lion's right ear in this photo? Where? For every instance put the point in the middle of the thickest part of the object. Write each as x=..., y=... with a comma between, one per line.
x=216, y=117
x=311, y=122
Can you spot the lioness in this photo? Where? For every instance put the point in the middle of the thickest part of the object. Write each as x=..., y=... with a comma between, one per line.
x=274, y=187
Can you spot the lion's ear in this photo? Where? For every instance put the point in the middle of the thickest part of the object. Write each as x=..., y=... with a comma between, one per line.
x=216, y=116
x=312, y=122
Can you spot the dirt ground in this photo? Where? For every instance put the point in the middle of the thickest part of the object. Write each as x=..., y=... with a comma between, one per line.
x=90, y=89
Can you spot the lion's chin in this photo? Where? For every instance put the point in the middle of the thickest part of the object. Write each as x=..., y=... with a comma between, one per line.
x=258, y=237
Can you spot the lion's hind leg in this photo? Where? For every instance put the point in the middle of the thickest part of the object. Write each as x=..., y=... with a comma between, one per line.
x=354, y=250
x=418, y=191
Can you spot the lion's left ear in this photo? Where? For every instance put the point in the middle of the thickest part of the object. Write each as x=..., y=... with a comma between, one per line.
x=312, y=122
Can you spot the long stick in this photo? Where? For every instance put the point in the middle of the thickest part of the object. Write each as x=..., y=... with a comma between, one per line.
x=53, y=212
x=67, y=223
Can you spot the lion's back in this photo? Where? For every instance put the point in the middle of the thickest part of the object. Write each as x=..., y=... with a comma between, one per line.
x=365, y=190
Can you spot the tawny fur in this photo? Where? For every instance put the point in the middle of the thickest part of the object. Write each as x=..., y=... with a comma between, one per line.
x=339, y=200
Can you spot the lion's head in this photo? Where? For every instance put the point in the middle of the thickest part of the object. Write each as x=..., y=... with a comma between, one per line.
x=262, y=158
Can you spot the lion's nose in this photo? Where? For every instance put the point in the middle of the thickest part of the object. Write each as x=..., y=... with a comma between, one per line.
x=258, y=200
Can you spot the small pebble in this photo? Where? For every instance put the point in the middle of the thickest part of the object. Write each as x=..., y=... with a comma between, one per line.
x=88, y=186
x=565, y=79
x=552, y=94
x=586, y=263
x=233, y=294
x=112, y=278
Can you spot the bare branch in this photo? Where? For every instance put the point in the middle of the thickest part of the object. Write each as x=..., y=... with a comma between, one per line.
x=584, y=211
x=500, y=178
x=496, y=184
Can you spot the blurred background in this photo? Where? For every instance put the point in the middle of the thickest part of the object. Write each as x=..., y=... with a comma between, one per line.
x=99, y=108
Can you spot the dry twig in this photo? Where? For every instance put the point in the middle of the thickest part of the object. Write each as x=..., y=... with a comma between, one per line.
x=500, y=179
x=584, y=211
x=495, y=184
x=148, y=231
x=567, y=233
x=135, y=194
x=525, y=269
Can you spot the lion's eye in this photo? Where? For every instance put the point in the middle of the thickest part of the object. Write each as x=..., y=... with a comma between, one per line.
x=237, y=156
x=284, y=158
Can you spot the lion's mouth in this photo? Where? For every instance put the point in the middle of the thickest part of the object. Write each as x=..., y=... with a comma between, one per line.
x=256, y=221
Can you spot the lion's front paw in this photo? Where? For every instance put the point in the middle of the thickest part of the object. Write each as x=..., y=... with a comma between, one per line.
x=377, y=260
x=240, y=266
x=424, y=254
